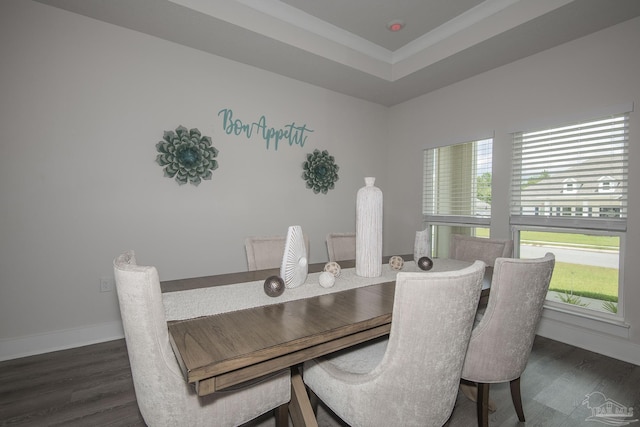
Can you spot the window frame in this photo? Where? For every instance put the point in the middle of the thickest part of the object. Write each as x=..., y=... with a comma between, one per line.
x=578, y=216
x=434, y=193
x=433, y=220
x=520, y=215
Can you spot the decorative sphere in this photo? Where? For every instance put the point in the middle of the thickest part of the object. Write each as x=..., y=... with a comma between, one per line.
x=396, y=262
x=327, y=279
x=425, y=263
x=274, y=286
x=333, y=268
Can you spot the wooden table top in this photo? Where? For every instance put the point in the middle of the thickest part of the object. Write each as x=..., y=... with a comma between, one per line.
x=215, y=345
x=222, y=350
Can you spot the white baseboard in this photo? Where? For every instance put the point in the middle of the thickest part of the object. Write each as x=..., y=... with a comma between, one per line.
x=13, y=348
x=598, y=342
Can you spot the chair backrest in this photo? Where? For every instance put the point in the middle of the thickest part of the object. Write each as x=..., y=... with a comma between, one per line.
x=341, y=246
x=267, y=252
x=157, y=378
x=162, y=393
x=469, y=248
x=432, y=319
x=501, y=342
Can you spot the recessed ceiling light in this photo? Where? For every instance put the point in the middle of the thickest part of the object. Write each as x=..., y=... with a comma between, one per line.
x=395, y=25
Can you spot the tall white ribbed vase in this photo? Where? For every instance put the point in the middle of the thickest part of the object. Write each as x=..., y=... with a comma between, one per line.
x=369, y=230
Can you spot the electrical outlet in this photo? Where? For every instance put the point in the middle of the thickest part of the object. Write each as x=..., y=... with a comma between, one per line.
x=107, y=284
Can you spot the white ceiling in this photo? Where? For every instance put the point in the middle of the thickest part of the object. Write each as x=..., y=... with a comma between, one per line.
x=344, y=45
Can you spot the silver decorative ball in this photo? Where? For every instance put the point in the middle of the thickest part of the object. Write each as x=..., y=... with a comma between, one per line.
x=396, y=262
x=274, y=286
x=425, y=263
x=333, y=268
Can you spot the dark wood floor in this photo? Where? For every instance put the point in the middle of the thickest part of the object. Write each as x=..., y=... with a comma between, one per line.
x=91, y=386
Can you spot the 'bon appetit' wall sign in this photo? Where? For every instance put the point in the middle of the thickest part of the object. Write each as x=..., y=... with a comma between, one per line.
x=291, y=133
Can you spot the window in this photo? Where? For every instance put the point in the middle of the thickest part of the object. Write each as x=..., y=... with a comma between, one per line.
x=569, y=197
x=456, y=196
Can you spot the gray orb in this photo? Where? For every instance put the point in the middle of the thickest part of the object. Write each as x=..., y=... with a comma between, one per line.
x=274, y=286
x=425, y=263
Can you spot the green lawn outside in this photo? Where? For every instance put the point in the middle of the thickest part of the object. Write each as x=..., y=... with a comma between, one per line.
x=586, y=281
x=565, y=239
x=576, y=279
x=572, y=240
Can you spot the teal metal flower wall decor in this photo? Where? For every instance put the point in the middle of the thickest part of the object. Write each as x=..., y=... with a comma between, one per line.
x=320, y=171
x=187, y=155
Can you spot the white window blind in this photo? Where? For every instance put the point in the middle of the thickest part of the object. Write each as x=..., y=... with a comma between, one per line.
x=573, y=176
x=457, y=183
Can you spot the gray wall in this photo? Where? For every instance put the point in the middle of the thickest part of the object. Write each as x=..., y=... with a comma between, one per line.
x=83, y=105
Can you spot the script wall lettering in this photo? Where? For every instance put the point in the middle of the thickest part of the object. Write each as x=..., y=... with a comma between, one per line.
x=291, y=133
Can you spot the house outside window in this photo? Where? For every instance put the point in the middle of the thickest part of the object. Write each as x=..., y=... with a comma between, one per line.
x=569, y=197
x=456, y=195
x=606, y=184
x=570, y=186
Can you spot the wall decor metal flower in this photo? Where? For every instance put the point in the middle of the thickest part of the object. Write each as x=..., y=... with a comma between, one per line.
x=320, y=171
x=186, y=155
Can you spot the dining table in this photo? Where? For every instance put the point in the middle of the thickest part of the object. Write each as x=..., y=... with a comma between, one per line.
x=225, y=330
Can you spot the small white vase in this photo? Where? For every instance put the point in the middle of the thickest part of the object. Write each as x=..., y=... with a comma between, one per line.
x=369, y=230
x=421, y=245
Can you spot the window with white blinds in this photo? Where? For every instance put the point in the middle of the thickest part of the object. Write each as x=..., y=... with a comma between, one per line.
x=572, y=176
x=457, y=183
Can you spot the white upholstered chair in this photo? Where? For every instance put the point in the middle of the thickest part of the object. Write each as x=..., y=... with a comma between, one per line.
x=341, y=246
x=469, y=248
x=267, y=252
x=162, y=393
x=412, y=378
x=501, y=342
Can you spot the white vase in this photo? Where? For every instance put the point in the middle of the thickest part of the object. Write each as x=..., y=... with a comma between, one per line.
x=421, y=245
x=369, y=230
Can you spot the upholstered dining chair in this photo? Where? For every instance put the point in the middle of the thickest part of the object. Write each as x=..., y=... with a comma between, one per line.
x=412, y=378
x=267, y=252
x=501, y=342
x=470, y=248
x=341, y=246
x=163, y=395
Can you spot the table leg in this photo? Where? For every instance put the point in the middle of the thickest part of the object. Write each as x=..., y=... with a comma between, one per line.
x=282, y=415
x=300, y=407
